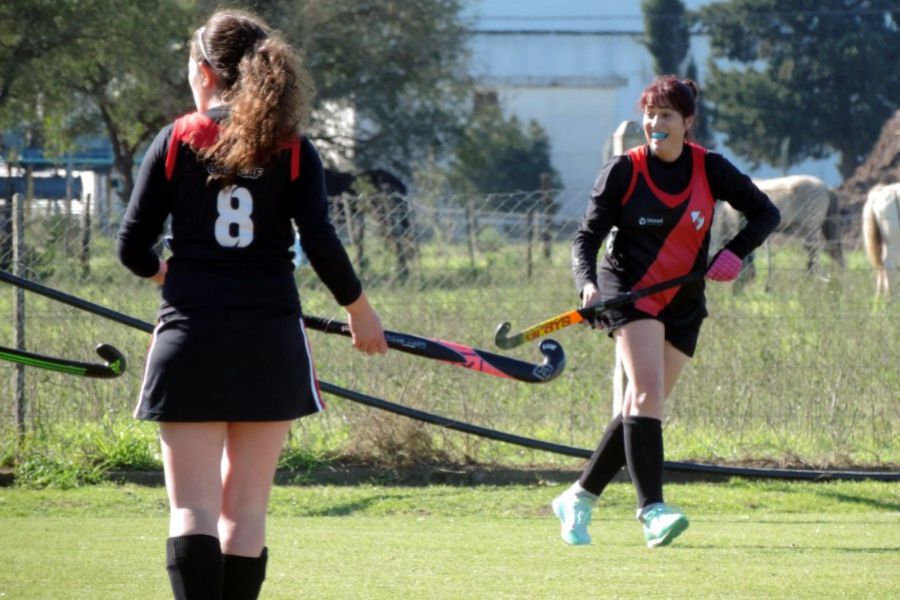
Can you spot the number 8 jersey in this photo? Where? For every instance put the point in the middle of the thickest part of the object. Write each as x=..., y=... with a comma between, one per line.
x=231, y=241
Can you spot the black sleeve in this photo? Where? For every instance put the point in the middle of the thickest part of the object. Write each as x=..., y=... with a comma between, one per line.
x=318, y=238
x=727, y=183
x=601, y=215
x=148, y=207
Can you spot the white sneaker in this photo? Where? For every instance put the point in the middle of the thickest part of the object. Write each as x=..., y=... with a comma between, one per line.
x=574, y=515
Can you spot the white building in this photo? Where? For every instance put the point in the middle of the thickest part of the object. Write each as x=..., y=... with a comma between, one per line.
x=577, y=67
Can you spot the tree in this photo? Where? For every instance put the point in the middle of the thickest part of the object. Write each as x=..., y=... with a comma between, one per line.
x=29, y=30
x=501, y=155
x=400, y=65
x=812, y=77
x=701, y=130
x=135, y=79
x=119, y=71
x=668, y=34
x=667, y=26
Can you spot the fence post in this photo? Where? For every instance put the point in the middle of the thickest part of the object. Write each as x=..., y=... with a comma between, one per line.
x=6, y=220
x=530, y=237
x=19, y=310
x=471, y=230
x=101, y=189
x=627, y=135
x=546, y=220
x=85, y=251
x=351, y=230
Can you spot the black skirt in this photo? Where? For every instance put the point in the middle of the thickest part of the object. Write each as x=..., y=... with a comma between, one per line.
x=229, y=366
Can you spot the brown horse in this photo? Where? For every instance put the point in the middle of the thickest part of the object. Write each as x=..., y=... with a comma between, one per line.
x=809, y=211
x=881, y=235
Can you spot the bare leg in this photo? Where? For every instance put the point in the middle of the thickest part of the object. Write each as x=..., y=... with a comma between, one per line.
x=192, y=453
x=191, y=456
x=248, y=469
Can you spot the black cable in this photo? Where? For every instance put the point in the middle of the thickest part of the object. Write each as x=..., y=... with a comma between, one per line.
x=677, y=467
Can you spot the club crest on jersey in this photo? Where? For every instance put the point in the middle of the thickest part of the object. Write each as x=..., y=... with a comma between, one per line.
x=697, y=219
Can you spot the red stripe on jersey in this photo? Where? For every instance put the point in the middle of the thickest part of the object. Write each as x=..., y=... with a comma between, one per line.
x=196, y=130
x=199, y=131
x=678, y=253
x=294, y=146
x=634, y=154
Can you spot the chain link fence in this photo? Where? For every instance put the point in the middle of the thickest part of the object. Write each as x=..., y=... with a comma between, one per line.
x=796, y=365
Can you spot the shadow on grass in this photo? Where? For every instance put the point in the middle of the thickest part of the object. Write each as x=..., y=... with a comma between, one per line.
x=860, y=500
x=348, y=508
x=792, y=548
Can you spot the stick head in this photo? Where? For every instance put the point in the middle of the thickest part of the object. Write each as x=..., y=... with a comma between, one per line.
x=115, y=361
x=554, y=360
x=501, y=339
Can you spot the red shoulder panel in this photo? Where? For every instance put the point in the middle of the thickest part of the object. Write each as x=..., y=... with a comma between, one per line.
x=199, y=131
x=196, y=130
x=638, y=165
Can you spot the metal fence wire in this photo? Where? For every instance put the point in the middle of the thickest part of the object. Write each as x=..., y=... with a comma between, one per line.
x=796, y=364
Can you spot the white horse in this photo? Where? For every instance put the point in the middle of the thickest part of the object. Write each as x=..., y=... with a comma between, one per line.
x=881, y=234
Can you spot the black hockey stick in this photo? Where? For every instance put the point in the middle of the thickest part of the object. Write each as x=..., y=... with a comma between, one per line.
x=583, y=314
x=113, y=367
x=43, y=290
x=463, y=356
x=501, y=366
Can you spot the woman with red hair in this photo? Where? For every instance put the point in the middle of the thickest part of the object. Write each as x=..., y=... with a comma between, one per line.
x=656, y=204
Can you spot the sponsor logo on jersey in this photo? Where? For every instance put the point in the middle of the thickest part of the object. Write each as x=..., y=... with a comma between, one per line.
x=697, y=219
x=650, y=221
x=254, y=173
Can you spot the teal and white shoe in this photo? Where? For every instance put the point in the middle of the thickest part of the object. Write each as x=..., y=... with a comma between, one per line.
x=574, y=516
x=662, y=523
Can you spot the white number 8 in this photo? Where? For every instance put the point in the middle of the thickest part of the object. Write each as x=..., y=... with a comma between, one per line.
x=234, y=229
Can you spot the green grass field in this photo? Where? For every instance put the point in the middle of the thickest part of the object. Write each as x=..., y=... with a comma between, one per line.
x=746, y=540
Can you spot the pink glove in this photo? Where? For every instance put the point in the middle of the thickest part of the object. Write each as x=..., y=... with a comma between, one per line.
x=726, y=266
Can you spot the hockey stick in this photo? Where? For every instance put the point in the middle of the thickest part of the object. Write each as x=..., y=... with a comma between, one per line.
x=583, y=314
x=463, y=356
x=113, y=367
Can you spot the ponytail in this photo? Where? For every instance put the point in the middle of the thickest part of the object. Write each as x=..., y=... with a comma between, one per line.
x=265, y=84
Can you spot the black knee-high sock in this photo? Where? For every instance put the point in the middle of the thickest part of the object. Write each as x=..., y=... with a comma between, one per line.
x=644, y=453
x=607, y=460
x=244, y=576
x=194, y=563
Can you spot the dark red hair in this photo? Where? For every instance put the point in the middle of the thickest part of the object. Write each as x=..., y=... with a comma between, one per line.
x=667, y=91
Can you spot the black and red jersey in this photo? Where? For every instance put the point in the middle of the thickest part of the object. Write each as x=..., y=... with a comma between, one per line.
x=658, y=215
x=231, y=242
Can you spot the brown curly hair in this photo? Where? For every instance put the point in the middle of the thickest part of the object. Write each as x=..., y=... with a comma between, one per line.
x=263, y=81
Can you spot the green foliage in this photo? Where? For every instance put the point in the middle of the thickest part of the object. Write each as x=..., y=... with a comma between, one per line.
x=668, y=35
x=118, y=68
x=130, y=445
x=499, y=155
x=701, y=129
x=110, y=67
x=821, y=75
x=65, y=457
x=399, y=65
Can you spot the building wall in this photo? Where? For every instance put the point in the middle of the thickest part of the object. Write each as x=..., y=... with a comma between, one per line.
x=577, y=67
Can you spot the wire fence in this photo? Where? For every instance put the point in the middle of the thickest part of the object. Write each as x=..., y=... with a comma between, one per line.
x=796, y=365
